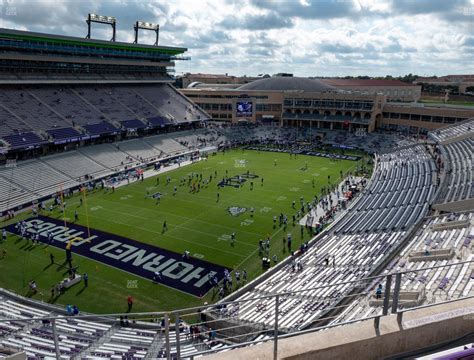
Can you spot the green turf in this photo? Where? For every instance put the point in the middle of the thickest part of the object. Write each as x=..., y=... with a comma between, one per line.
x=197, y=222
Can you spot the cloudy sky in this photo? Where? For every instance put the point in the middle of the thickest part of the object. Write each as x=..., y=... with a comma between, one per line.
x=303, y=37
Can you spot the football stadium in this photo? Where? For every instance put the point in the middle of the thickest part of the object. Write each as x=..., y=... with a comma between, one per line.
x=283, y=218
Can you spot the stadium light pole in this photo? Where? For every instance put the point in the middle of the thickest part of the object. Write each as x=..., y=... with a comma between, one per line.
x=146, y=26
x=100, y=19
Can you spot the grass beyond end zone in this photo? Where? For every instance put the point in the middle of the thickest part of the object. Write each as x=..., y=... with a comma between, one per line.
x=196, y=222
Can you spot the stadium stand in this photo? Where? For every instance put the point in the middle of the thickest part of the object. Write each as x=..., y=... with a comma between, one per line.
x=438, y=245
x=398, y=196
x=454, y=132
x=82, y=164
x=139, y=149
x=35, y=115
x=36, y=177
x=165, y=144
x=107, y=155
x=88, y=339
x=458, y=171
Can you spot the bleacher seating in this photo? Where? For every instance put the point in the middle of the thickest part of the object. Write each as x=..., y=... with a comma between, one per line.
x=87, y=339
x=399, y=195
x=459, y=167
x=170, y=102
x=123, y=343
x=102, y=98
x=108, y=155
x=9, y=124
x=26, y=112
x=29, y=109
x=454, y=132
x=103, y=128
x=165, y=144
x=439, y=284
x=36, y=339
x=82, y=165
x=139, y=149
x=355, y=257
x=133, y=124
x=70, y=134
x=23, y=140
x=35, y=176
x=456, y=279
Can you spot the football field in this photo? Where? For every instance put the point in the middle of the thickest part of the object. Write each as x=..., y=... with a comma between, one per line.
x=200, y=221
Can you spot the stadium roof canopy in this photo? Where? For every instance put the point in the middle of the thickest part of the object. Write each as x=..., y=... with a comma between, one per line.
x=49, y=39
x=365, y=82
x=287, y=83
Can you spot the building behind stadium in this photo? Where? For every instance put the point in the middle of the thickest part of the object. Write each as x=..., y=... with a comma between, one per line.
x=323, y=103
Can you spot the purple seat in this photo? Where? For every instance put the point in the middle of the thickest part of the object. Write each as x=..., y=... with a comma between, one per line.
x=133, y=124
x=24, y=140
x=64, y=135
x=158, y=121
x=103, y=128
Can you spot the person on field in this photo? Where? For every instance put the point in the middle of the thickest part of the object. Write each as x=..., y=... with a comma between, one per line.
x=129, y=303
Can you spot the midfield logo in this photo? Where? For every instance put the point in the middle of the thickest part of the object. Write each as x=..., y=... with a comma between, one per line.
x=236, y=210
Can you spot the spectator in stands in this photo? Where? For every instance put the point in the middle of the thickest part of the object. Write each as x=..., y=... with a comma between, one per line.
x=378, y=292
x=69, y=309
x=75, y=310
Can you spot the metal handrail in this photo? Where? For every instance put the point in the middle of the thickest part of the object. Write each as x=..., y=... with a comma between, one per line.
x=172, y=318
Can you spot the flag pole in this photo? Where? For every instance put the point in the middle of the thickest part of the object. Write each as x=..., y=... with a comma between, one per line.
x=62, y=203
x=83, y=190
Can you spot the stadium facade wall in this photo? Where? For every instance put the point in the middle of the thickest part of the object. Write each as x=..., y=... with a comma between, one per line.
x=419, y=329
x=269, y=106
x=456, y=206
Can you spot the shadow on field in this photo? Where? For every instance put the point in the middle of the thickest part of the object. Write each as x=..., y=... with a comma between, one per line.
x=61, y=266
x=81, y=291
x=27, y=247
x=48, y=266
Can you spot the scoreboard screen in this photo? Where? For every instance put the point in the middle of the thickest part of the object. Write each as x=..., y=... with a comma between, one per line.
x=244, y=108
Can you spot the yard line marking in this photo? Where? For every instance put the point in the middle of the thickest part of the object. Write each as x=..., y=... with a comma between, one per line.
x=165, y=234
x=171, y=214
